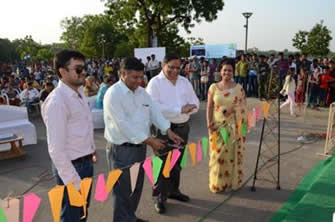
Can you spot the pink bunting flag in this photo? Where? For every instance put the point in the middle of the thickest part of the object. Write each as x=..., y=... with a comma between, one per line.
x=31, y=202
x=253, y=117
x=147, y=166
x=101, y=194
x=258, y=113
x=199, y=152
x=174, y=158
x=11, y=209
x=133, y=175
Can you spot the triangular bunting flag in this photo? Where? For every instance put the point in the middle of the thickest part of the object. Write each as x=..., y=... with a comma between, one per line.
x=253, y=118
x=113, y=176
x=174, y=158
x=31, y=202
x=2, y=215
x=11, y=207
x=56, y=199
x=224, y=135
x=184, y=158
x=166, y=169
x=258, y=113
x=147, y=166
x=156, y=167
x=213, y=141
x=239, y=127
x=193, y=149
x=133, y=175
x=266, y=108
x=75, y=198
x=204, y=144
x=244, y=128
x=199, y=152
x=249, y=120
x=101, y=194
x=85, y=186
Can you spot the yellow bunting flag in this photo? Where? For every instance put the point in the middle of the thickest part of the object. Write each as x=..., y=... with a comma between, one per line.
x=56, y=199
x=239, y=127
x=266, y=108
x=166, y=169
x=213, y=140
x=249, y=120
x=113, y=176
x=75, y=198
x=85, y=186
x=193, y=152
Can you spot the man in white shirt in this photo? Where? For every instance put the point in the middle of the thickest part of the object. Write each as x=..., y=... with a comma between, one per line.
x=153, y=66
x=69, y=124
x=177, y=100
x=128, y=113
x=29, y=95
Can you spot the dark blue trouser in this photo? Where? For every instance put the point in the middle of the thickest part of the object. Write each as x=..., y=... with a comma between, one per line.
x=243, y=82
x=253, y=87
x=125, y=202
x=69, y=213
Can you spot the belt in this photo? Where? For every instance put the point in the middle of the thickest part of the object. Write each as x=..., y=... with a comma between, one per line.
x=82, y=159
x=132, y=145
x=178, y=125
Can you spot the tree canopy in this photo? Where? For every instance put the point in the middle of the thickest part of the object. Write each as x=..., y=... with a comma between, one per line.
x=315, y=42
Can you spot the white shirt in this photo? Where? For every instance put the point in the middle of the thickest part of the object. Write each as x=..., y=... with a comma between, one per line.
x=153, y=64
x=129, y=115
x=171, y=98
x=37, y=75
x=29, y=94
x=69, y=124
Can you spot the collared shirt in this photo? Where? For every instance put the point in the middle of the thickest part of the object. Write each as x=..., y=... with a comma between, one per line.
x=153, y=64
x=171, y=98
x=69, y=124
x=29, y=94
x=129, y=115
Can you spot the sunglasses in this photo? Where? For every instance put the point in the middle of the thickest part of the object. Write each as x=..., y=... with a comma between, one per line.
x=80, y=69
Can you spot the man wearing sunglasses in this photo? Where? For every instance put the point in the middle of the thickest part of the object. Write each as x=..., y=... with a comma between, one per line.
x=69, y=124
x=177, y=100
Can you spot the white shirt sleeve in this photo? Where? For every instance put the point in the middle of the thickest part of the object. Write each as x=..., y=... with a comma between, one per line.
x=158, y=119
x=192, y=98
x=55, y=120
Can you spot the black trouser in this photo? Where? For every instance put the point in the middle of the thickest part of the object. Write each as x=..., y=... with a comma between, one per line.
x=165, y=186
x=125, y=202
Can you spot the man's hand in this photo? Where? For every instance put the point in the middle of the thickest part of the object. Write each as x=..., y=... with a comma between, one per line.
x=188, y=108
x=94, y=157
x=156, y=144
x=174, y=137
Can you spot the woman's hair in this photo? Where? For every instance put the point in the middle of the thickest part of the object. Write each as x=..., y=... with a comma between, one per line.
x=228, y=62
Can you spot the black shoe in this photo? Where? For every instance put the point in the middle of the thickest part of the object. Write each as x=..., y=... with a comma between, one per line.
x=160, y=207
x=179, y=196
x=141, y=220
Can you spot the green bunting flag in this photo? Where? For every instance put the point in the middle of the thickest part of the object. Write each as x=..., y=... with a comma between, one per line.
x=184, y=158
x=244, y=129
x=3, y=217
x=204, y=146
x=224, y=135
x=156, y=165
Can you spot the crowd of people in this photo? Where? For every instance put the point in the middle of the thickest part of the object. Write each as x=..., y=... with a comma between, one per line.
x=135, y=96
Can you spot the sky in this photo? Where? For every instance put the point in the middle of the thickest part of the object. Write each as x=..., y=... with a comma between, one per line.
x=272, y=25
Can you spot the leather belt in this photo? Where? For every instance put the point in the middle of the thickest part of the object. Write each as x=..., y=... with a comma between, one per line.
x=179, y=125
x=82, y=159
x=132, y=145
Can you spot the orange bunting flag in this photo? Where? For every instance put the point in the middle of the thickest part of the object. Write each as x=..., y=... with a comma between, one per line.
x=239, y=127
x=250, y=120
x=266, y=108
x=75, y=198
x=166, y=169
x=193, y=152
x=213, y=140
x=56, y=198
x=113, y=176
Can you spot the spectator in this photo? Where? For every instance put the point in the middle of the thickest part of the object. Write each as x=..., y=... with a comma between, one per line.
x=90, y=89
x=29, y=95
x=108, y=81
x=46, y=91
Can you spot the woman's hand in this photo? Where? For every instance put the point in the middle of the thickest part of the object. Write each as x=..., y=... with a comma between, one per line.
x=211, y=127
x=228, y=112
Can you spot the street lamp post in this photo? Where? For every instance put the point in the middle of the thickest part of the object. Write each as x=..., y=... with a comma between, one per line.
x=154, y=40
x=247, y=15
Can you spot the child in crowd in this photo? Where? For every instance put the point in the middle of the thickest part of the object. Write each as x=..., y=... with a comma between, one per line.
x=289, y=90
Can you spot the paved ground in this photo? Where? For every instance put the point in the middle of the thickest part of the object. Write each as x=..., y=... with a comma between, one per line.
x=16, y=176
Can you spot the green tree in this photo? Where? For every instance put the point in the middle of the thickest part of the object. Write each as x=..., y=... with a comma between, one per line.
x=28, y=47
x=8, y=52
x=315, y=42
x=45, y=54
x=155, y=15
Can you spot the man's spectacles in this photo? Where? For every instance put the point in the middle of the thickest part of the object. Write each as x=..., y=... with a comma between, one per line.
x=79, y=69
x=174, y=67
